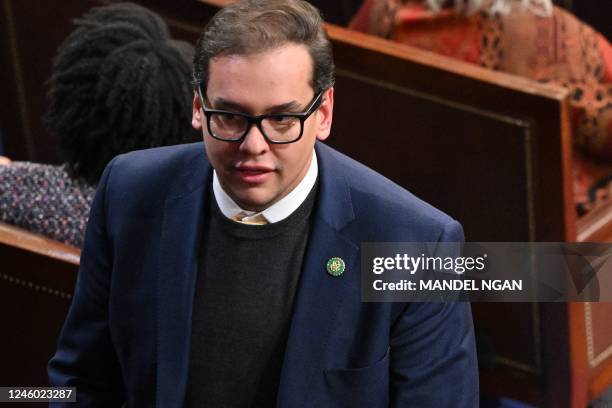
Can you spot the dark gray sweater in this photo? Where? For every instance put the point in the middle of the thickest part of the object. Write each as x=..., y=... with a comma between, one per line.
x=242, y=310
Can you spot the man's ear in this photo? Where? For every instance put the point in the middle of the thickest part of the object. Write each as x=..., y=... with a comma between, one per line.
x=196, y=115
x=325, y=114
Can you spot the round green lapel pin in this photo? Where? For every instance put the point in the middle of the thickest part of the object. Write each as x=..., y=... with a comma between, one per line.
x=335, y=266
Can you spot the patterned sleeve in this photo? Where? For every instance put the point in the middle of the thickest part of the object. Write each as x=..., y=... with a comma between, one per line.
x=592, y=100
x=44, y=199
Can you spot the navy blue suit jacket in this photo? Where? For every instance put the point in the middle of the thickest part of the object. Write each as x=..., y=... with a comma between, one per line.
x=127, y=335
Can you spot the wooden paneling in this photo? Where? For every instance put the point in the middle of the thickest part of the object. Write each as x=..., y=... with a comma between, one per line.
x=421, y=153
x=37, y=279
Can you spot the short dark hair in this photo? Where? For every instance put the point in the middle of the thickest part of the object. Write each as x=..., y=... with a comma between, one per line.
x=252, y=26
x=119, y=83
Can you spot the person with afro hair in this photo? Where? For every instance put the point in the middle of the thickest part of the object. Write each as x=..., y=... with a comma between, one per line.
x=119, y=83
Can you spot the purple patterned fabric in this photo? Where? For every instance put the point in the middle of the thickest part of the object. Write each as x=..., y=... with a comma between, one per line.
x=45, y=199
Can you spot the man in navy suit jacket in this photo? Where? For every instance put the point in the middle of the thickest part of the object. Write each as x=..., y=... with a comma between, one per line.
x=205, y=276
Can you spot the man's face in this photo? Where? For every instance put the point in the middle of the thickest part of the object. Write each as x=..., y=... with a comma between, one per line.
x=255, y=173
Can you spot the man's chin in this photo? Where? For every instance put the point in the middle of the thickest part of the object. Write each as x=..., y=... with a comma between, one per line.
x=254, y=202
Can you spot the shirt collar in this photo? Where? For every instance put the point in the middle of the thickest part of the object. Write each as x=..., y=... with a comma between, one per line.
x=277, y=211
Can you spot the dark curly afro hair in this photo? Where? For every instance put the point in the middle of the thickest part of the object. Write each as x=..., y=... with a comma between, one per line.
x=119, y=83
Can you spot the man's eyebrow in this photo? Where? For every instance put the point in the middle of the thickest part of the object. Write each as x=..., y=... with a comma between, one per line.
x=287, y=107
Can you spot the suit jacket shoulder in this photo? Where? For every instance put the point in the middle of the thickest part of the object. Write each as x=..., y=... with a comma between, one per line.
x=383, y=210
x=153, y=176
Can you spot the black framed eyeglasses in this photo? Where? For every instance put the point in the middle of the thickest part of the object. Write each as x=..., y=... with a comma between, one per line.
x=277, y=128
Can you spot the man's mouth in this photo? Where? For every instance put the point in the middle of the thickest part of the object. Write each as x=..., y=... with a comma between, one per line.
x=253, y=174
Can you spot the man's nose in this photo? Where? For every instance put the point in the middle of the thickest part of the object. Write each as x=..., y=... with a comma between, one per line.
x=254, y=142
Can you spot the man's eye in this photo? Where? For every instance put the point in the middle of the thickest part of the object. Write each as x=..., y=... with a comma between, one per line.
x=283, y=120
x=229, y=116
x=231, y=119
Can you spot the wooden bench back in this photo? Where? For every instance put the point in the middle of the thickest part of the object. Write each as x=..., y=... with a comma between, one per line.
x=37, y=278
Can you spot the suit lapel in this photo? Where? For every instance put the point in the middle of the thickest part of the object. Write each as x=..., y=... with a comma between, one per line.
x=178, y=263
x=320, y=295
